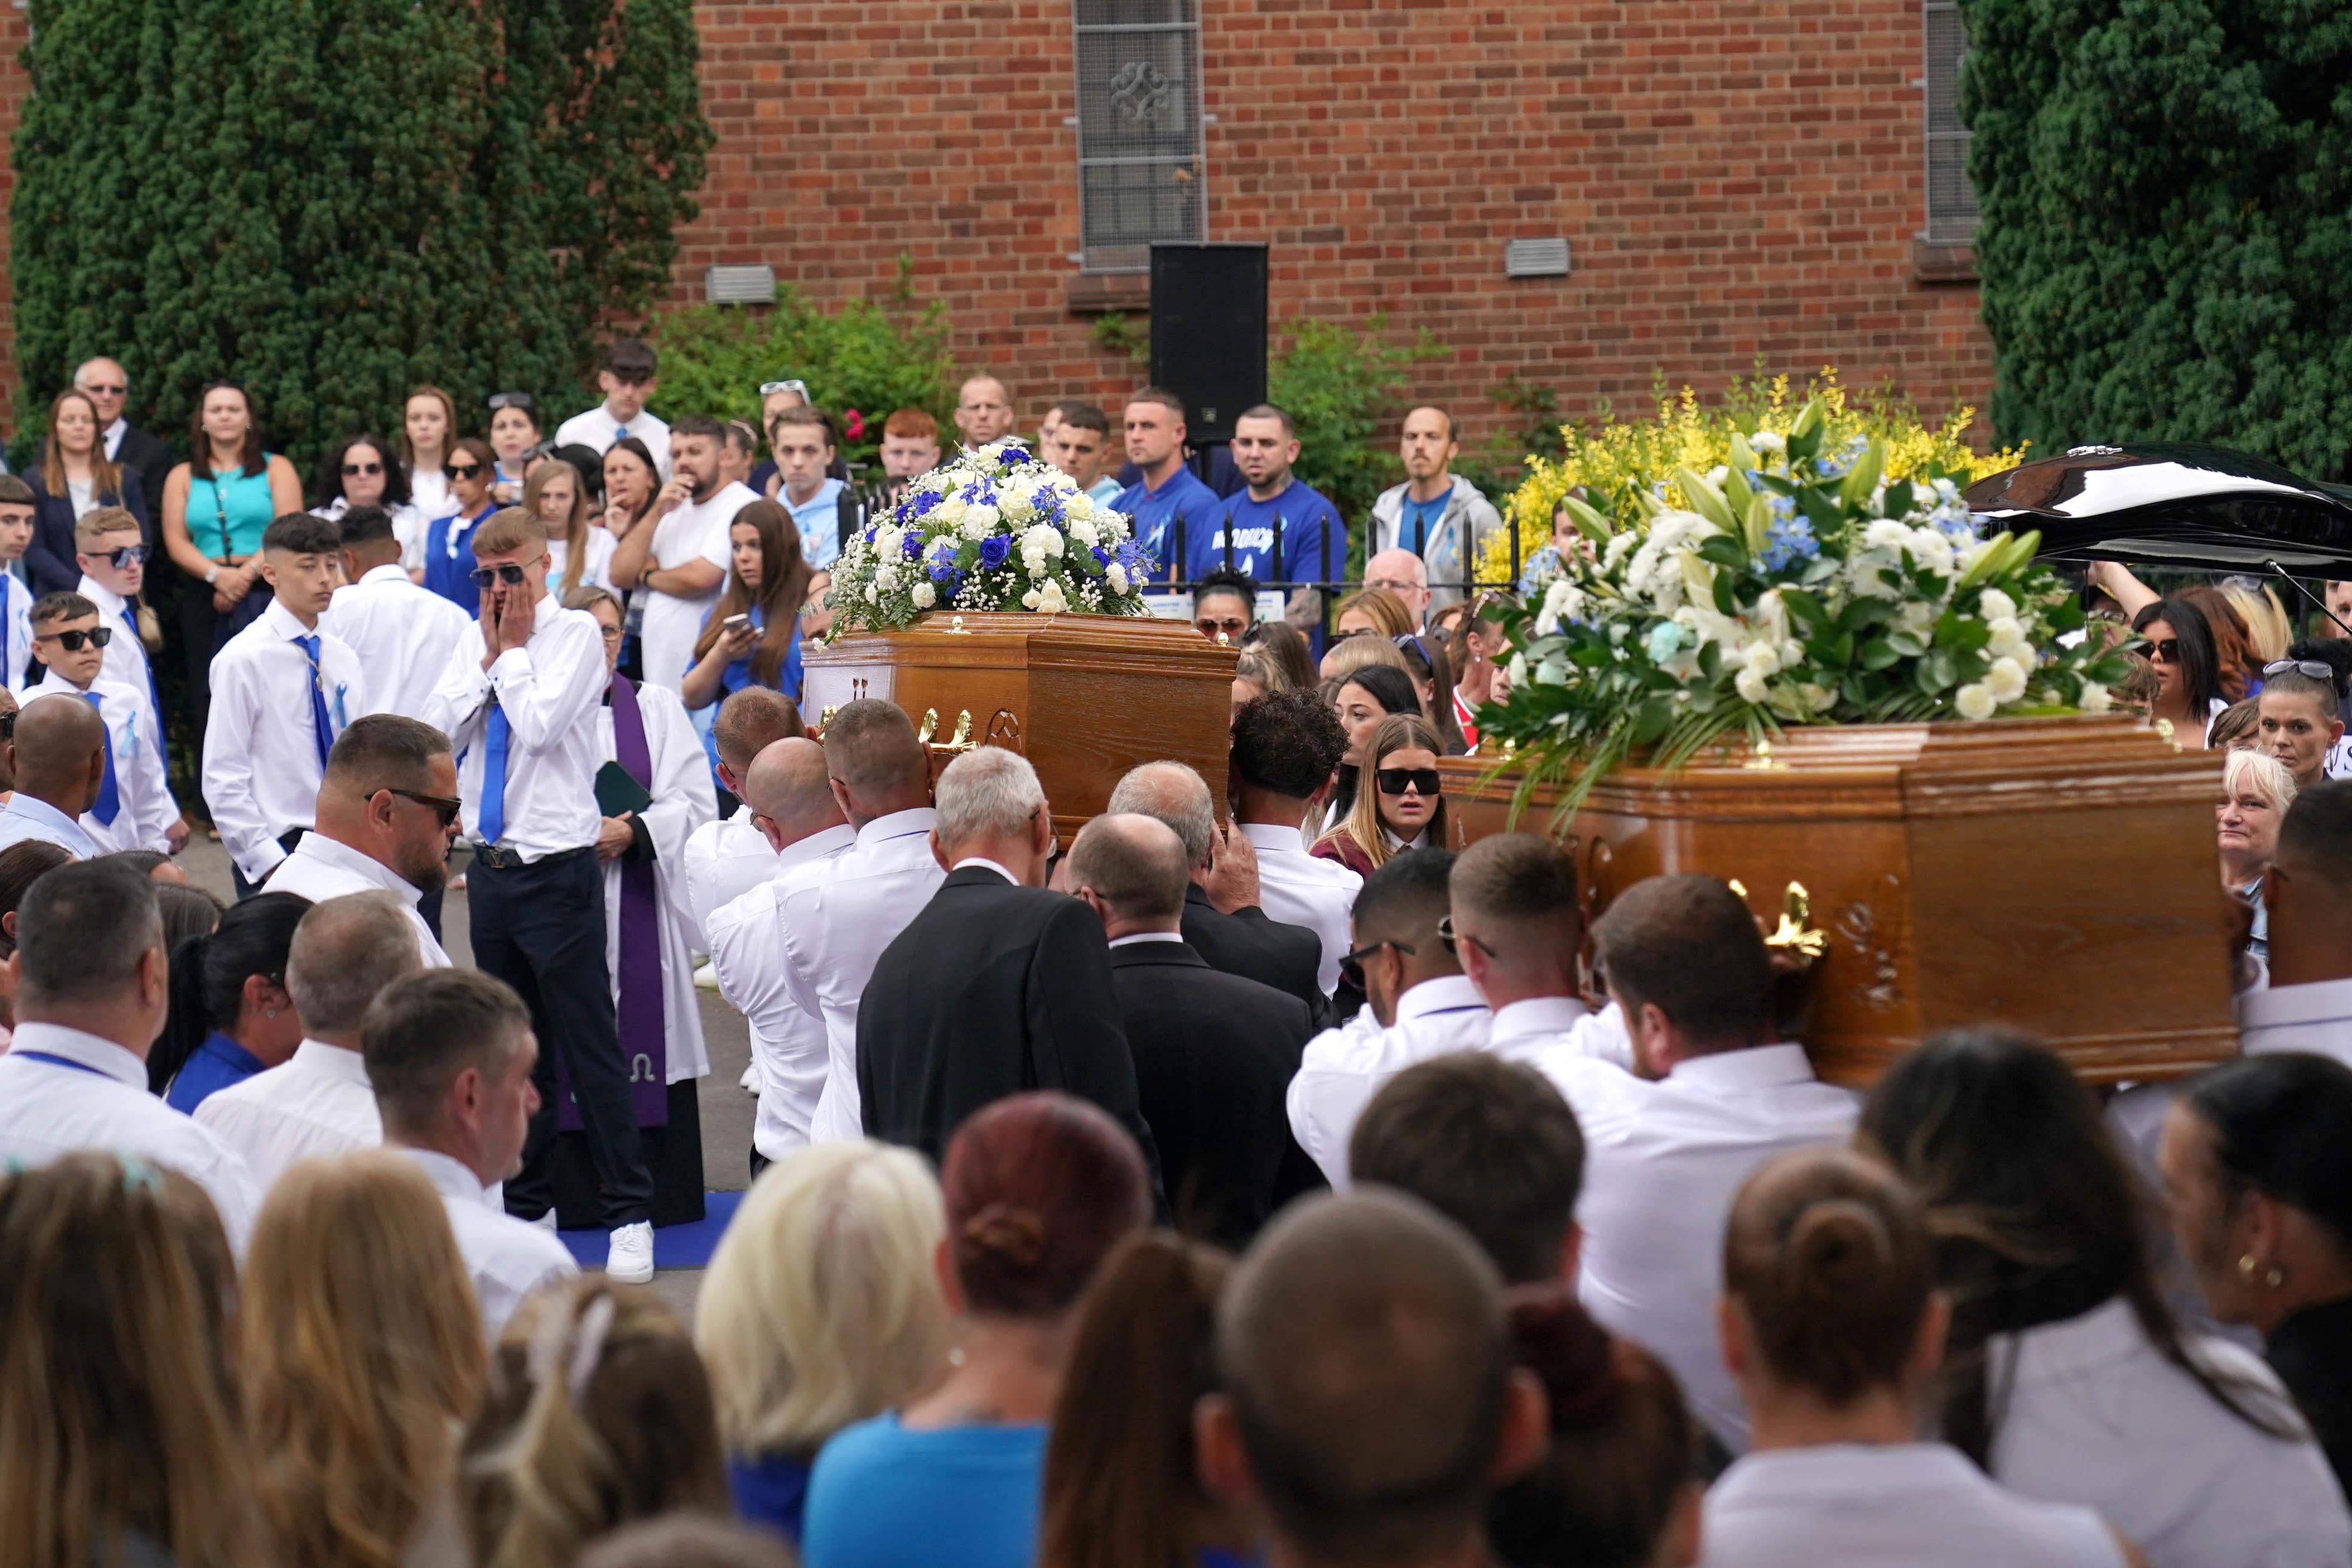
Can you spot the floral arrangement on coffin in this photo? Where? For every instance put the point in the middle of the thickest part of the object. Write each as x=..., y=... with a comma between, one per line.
x=1792, y=583
x=994, y=529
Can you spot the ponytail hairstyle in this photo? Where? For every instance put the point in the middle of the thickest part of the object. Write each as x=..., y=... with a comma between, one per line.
x=2283, y=1127
x=597, y=1412
x=1623, y=1452
x=208, y=972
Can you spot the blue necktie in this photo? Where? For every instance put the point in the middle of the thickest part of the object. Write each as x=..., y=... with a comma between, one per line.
x=154, y=692
x=322, y=729
x=109, y=799
x=491, y=820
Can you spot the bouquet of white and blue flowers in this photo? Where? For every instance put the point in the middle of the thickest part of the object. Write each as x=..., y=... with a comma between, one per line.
x=994, y=529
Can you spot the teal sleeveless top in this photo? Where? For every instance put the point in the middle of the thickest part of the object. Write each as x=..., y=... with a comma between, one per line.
x=228, y=512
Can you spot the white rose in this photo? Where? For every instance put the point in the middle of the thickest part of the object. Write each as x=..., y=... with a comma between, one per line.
x=1751, y=683
x=2005, y=680
x=2097, y=699
x=2008, y=637
x=1992, y=603
x=1974, y=700
x=925, y=594
x=1080, y=506
x=1044, y=538
x=1116, y=575
x=1029, y=600
x=873, y=595
x=981, y=517
x=948, y=514
x=1014, y=505
x=1885, y=534
x=1085, y=533
x=1932, y=550
x=1762, y=659
x=1050, y=598
x=886, y=576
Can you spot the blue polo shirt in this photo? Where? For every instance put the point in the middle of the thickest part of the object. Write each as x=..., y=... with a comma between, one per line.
x=1313, y=540
x=212, y=1066
x=1157, y=512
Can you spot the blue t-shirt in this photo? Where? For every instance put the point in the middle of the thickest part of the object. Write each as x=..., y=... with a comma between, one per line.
x=1183, y=499
x=1417, y=522
x=961, y=1496
x=772, y=1490
x=820, y=522
x=1313, y=540
x=737, y=676
x=212, y=1066
x=449, y=558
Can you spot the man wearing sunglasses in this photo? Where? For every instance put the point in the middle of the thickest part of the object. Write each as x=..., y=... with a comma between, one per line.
x=113, y=561
x=628, y=383
x=1417, y=1005
x=134, y=809
x=386, y=812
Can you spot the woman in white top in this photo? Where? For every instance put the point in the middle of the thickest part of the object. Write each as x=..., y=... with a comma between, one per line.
x=1832, y=1323
x=556, y=496
x=514, y=432
x=2068, y=1377
x=428, y=425
x=361, y=470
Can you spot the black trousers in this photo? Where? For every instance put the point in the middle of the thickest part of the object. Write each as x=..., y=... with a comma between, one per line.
x=540, y=928
x=286, y=841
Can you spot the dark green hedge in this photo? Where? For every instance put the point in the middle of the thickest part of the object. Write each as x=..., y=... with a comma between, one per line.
x=2167, y=243
x=334, y=200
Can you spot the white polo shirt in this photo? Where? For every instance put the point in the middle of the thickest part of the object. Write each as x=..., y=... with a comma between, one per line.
x=316, y=1103
x=2317, y=1017
x=1302, y=889
x=1342, y=1068
x=724, y=860
x=508, y=1259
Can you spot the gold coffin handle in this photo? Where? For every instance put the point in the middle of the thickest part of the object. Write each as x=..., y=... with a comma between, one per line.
x=962, y=741
x=1796, y=937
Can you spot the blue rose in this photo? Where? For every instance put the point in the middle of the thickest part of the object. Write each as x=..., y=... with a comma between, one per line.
x=921, y=503
x=1016, y=455
x=994, y=551
x=911, y=546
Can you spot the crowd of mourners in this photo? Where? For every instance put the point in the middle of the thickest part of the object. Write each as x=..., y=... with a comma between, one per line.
x=1259, y=1179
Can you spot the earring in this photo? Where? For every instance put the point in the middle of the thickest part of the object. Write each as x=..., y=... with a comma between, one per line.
x=272, y=1013
x=2249, y=1265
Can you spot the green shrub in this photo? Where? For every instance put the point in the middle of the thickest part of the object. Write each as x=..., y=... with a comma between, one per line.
x=1340, y=383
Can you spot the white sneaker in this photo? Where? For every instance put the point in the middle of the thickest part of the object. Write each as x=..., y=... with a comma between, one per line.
x=751, y=1080
x=706, y=978
x=545, y=1222
x=631, y=1253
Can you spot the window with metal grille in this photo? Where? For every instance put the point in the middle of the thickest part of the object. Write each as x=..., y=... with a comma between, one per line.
x=1140, y=148
x=1951, y=203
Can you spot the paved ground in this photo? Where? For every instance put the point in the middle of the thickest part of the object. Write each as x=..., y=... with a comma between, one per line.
x=726, y=1108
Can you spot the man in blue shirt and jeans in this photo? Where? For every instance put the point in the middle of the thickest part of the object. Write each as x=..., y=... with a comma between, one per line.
x=1282, y=531
x=1169, y=506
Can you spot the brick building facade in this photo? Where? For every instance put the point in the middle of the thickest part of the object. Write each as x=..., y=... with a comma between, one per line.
x=1733, y=178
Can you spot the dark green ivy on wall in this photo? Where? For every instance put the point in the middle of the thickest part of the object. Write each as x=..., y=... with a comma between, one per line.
x=2167, y=243
x=333, y=201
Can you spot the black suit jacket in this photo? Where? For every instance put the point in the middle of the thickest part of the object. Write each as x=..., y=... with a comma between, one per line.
x=1249, y=943
x=992, y=990
x=49, y=558
x=1214, y=1055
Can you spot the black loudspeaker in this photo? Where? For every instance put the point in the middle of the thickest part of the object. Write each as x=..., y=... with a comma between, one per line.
x=1208, y=332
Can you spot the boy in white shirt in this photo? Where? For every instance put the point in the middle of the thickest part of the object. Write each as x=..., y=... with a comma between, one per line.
x=282, y=692
x=402, y=632
x=16, y=508
x=112, y=555
x=628, y=383
x=134, y=809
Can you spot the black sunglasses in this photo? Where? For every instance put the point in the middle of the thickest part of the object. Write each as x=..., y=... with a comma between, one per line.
x=1396, y=781
x=97, y=637
x=512, y=400
x=1453, y=939
x=130, y=555
x=351, y=469
x=2164, y=650
x=504, y=572
x=441, y=805
x=467, y=471
x=1351, y=964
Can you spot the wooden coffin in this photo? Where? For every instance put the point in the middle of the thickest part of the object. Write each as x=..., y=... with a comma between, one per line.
x=1084, y=698
x=2056, y=875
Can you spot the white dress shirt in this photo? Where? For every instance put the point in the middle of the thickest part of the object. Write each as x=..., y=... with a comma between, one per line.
x=316, y=1103
x=143, y=807
x=553, y=690
x=124, y=659
x=726, y=859
x=598, y=428
x=114, y=438
x=834, y=918
x=1527, y=1029
x=2317, y=1017
x=408, y=525
x=788, y=1043
x=322, y=869
x=16, y=629
x=261, y=767
x=100, y=1104
x=696, y=531
x=1342, y=1068
x=683, y=800
x=401, y=633
x=1663, y=1161
x=2094, y=1414
x=1301, y=890
x=24, y=817
x=1889, y=1505
x=508, y=1258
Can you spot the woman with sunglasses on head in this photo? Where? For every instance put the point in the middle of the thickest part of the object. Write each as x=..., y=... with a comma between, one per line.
x=1402, y=810
x=2299, y=715
x=1432, y=682
x=514, y=431
x=449, y=541
x=214, y=511
x=70, y=478
x=557, y=497
x=2179, y=647
x=752, y=637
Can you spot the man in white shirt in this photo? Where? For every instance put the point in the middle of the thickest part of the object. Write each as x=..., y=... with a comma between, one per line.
x=387, y=810
x=17, y=507
x=628, y=383
x=318, y=1102
x=92, y=994
x=679, y=556
x=522, y=698
x=787, y=796
x=403, y=633
x=114, y=560
x=2308, y=890
x=1714, y=1094
x=56, y=751
x=282, y=690
x=451, y=1057
x=834, y=916
x=134, y=809
x=727, y=858
x=1285, y=746
x=1416, y=1006
x=1517, y=930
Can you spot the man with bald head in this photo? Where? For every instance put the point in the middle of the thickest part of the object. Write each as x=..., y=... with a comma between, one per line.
x=983, y=412
x=788, y=799
x=1406, y=575
x=1213, y=1052
x=57, y=753
x=727, y=858
x=836, y=915
x=1223, y=921
x=1369, y=1402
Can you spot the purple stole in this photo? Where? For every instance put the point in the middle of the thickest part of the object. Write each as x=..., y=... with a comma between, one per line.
x=645, y=1038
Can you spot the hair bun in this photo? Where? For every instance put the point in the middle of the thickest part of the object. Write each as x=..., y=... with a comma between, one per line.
x=1560, y=1342
x=1836, y=1248
x=1013, y=1236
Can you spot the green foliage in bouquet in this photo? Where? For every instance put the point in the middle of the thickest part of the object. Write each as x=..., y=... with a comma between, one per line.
x=1791, y=584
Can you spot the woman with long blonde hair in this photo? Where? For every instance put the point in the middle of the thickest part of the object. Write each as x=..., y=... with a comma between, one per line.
x=362, y=1360
x=557, y=497
x=71, y=477
x=120, y=1436
x=1396, y=805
